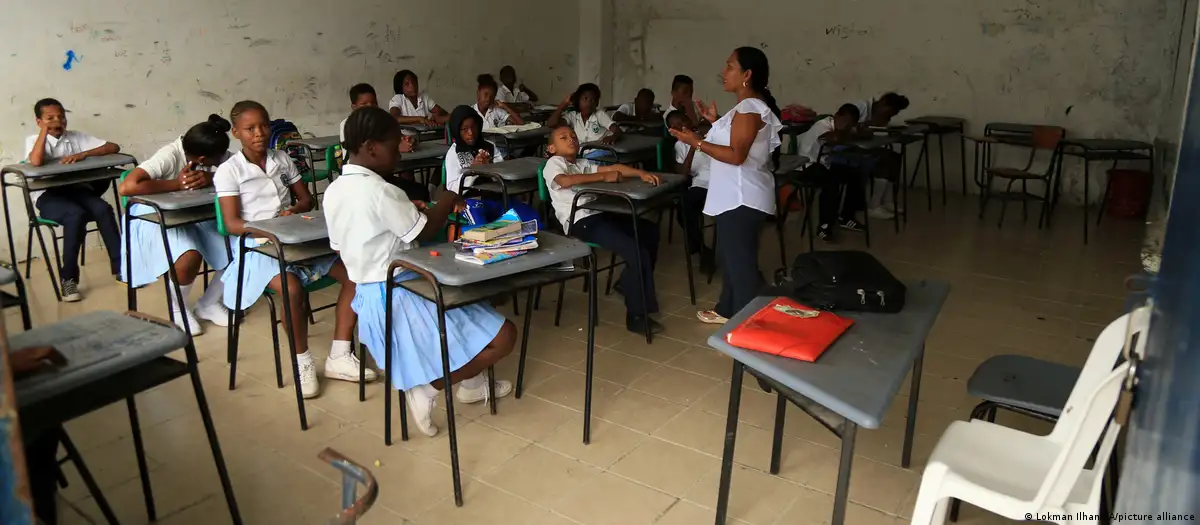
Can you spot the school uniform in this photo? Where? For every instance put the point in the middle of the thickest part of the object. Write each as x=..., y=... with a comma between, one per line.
x=146, y=241
x=370, y=223
x=459, y=161
x=821, y=171
x=741, y=197
x=696, y=195
x=508, y=96
x=263, y=195
x=423, y=107
x=74, y=206
x=864, y=109
x=673, y=108
x=612, y=232
x=493, y=118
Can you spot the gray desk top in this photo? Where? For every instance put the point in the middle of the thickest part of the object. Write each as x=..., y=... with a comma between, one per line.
x=512, y=170
x=7, y=276
x=421, y=128
x=938, y=121
x=30, y=171
x=294, y=229
x=1109, y=144
x=634, y=188
x=1008, y=127
x=96, y=345
x=318, y=143
x=529, y=134
x=859, y=375
x=425, y=151
x=626, y=144
x=179, y=200
x=552, y=249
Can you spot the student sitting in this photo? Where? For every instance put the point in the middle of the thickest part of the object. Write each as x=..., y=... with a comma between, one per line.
x=253, y=185
x=879, y=112
x=820, y=171
x=510, y=92
x=410, y=105
x=467, y=147
x=587, y=120
x=187, y=163
x=681, y=98
x=370, y=224
x=883, y=165
x=694, y=164
x=611, y=232
x=363, y=95
x=640, y=110
x=72, y=206
x=495, y=113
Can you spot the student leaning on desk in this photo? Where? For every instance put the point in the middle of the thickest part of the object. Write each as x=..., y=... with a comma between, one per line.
x=75, y=205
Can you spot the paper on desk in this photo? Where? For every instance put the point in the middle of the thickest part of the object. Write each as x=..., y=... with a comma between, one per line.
x=513, y=128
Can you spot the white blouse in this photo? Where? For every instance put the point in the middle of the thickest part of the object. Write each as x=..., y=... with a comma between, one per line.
x=751, y=183
x=263, y=193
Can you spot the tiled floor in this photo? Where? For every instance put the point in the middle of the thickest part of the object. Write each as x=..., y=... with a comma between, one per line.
x=659, y=409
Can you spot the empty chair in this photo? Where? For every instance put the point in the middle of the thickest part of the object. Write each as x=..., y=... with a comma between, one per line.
x=1045, y=141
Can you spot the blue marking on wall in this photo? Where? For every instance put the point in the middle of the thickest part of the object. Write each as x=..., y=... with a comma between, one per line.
x=71, y=59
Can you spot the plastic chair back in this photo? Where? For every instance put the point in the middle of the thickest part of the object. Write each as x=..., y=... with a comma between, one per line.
x=220, y=217
x=1101, y=360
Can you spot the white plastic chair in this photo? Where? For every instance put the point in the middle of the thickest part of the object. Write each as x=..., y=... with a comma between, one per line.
x=1014, y=473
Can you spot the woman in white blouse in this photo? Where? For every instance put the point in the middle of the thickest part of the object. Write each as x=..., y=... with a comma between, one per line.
x=741, y=185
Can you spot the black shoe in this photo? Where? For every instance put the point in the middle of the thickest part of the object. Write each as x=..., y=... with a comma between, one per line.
x=825, y=233
x=850, y=224
x=70, y=291
x=637, y=324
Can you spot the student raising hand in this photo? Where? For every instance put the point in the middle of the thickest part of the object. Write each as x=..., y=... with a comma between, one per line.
x=709, y=112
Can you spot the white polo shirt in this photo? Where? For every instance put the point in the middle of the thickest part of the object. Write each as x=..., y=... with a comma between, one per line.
x=494, y=118
x=864, y=109
x=456, y=163
x=561, y=197
x=263, y=194
x=700, y=164
x=70, y=143
x=595, y=128
x=169, y=160
x=370, y=222
x=809, y=143
x=508, y=96
x=423, y=107
x=750, y=183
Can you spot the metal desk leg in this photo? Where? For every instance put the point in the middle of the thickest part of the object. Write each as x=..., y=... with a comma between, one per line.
x=913, y=394
x=12, y=249
x=211, y=431
x=962, y=157
x=593, y=310
x=731, y=420
x=88, y=480
x=942, y=159
x=140, y=450
x=1087, y=175
x=842, y=493
x=287, y=324
x=777, y=439
x=524, y=343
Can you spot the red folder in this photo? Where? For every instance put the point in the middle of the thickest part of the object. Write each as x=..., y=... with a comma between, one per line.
x=789, y=329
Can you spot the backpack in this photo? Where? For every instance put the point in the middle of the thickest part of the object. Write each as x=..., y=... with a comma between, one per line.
x=842, y=280
x=282, y=132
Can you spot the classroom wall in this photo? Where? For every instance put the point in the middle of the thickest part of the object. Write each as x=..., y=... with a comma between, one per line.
x=145, y=70
x=1097, y=67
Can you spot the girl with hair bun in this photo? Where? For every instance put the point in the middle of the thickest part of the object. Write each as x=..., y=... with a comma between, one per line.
x=188, y=163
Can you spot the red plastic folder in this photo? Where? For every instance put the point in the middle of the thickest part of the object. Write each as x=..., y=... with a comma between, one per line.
x=789, y=329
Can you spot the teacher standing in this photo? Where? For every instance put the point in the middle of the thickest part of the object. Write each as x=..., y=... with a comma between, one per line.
x=741, y=193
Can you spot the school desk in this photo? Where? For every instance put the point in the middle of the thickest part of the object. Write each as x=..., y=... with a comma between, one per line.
x=1100, y=150
x=425, y=133
x=112, y=357
x=849, y=386
x=9, y=275
x=451, y=284
x=426, y=158
x=168, y=210
x=519, y=141
x=629, y=150
x=54, y=174
x=309, y=148
x=510, y=177
x=942, y=126
x=635, y=198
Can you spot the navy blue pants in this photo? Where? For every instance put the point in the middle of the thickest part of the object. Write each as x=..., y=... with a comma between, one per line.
x=73, y=207
x=615, y=233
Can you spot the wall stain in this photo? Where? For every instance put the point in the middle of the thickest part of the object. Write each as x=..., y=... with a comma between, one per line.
x=991, y=28
x=239, y=26
x=242, y=81
x=406, y=57
x=210, y=95
x=130, y=106
x=261, y=42
x=351, y=51
x=71, y=59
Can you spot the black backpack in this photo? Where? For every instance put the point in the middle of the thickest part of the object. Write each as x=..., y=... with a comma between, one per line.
x=842, y=280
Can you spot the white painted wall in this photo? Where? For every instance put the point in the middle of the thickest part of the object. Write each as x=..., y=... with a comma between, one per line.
x=1097, y=67
x=149, y=69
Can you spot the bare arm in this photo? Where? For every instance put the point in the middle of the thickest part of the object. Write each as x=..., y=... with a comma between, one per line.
x=37, y=155
x=439, y=115
x=138, y=182
x=556, y=117
x=435, y=217
x=231, y=213
x=745, y=128
x=532, y=96
x=513, y=116
x=304, y=199
x=612, y=173
x=685, y=167
x=619, y=116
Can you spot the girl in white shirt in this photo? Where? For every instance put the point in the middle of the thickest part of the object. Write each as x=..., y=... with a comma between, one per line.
x=370, y=223
x=495, y=113
x=187, y=163
x=589, y=122
x=258, y=184
x=512, y=93
x=410, y=105
x=467, y=148
x=742, y=188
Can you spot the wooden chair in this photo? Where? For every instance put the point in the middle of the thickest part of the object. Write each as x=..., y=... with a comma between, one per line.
x=1044, y=141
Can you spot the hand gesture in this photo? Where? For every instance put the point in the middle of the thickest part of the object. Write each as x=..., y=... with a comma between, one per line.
x=649, y=178
x=426, y=121
x=608, y=140
x=566, y=101
x=285, y=212
x=686, y=136
x=421, y=205
x=481, y=157
x=407, y=143
x=31, y=360
x=709, y=112
x=191, y=178
x=446, y=195
x=72, y=159
x=501, y=104
x=521, y=87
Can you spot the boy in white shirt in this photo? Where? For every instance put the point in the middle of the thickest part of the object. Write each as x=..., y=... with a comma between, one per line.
x=72, y=206
x=879, y=112
x=819, y=170
x=693, y=163
x=495, y=113
x=611, y=232
x=641, y=109
x=589, y=122
x=681, y=99
x=510, y=92
x=410, y=105
x=361, y=96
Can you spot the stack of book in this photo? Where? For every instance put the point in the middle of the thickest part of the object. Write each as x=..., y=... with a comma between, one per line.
x=497, y=241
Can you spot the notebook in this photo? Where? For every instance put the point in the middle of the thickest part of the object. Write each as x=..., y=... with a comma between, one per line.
x=789, y=329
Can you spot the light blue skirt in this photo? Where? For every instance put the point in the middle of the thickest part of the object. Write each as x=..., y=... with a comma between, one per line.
x=149, y=259
x=416, y=346
x=259, y=271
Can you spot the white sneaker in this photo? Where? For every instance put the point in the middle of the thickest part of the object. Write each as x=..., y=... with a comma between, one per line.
x=310, y=387
x=345, y=368
x=193, y=323
x=475, y=395
x=215, y=313
x=420, y=405
x=880, y=213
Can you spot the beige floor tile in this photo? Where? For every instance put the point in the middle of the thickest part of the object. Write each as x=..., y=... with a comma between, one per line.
x=637, y=410
x=874, y=484
x=704, y=361
x=661, y=350
x=568, y=388
x=665, y=466
x=816, y=508
x=675, y=385
x=111, y=465
x=529, y=418
x=618, y=367
x=609, y=442
x=591, y=503
x=688, y=513
x=483, y=503
x=409, y=483
x=541, y=476
x=480, y=448
x=705, y=433
x=754, y=496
